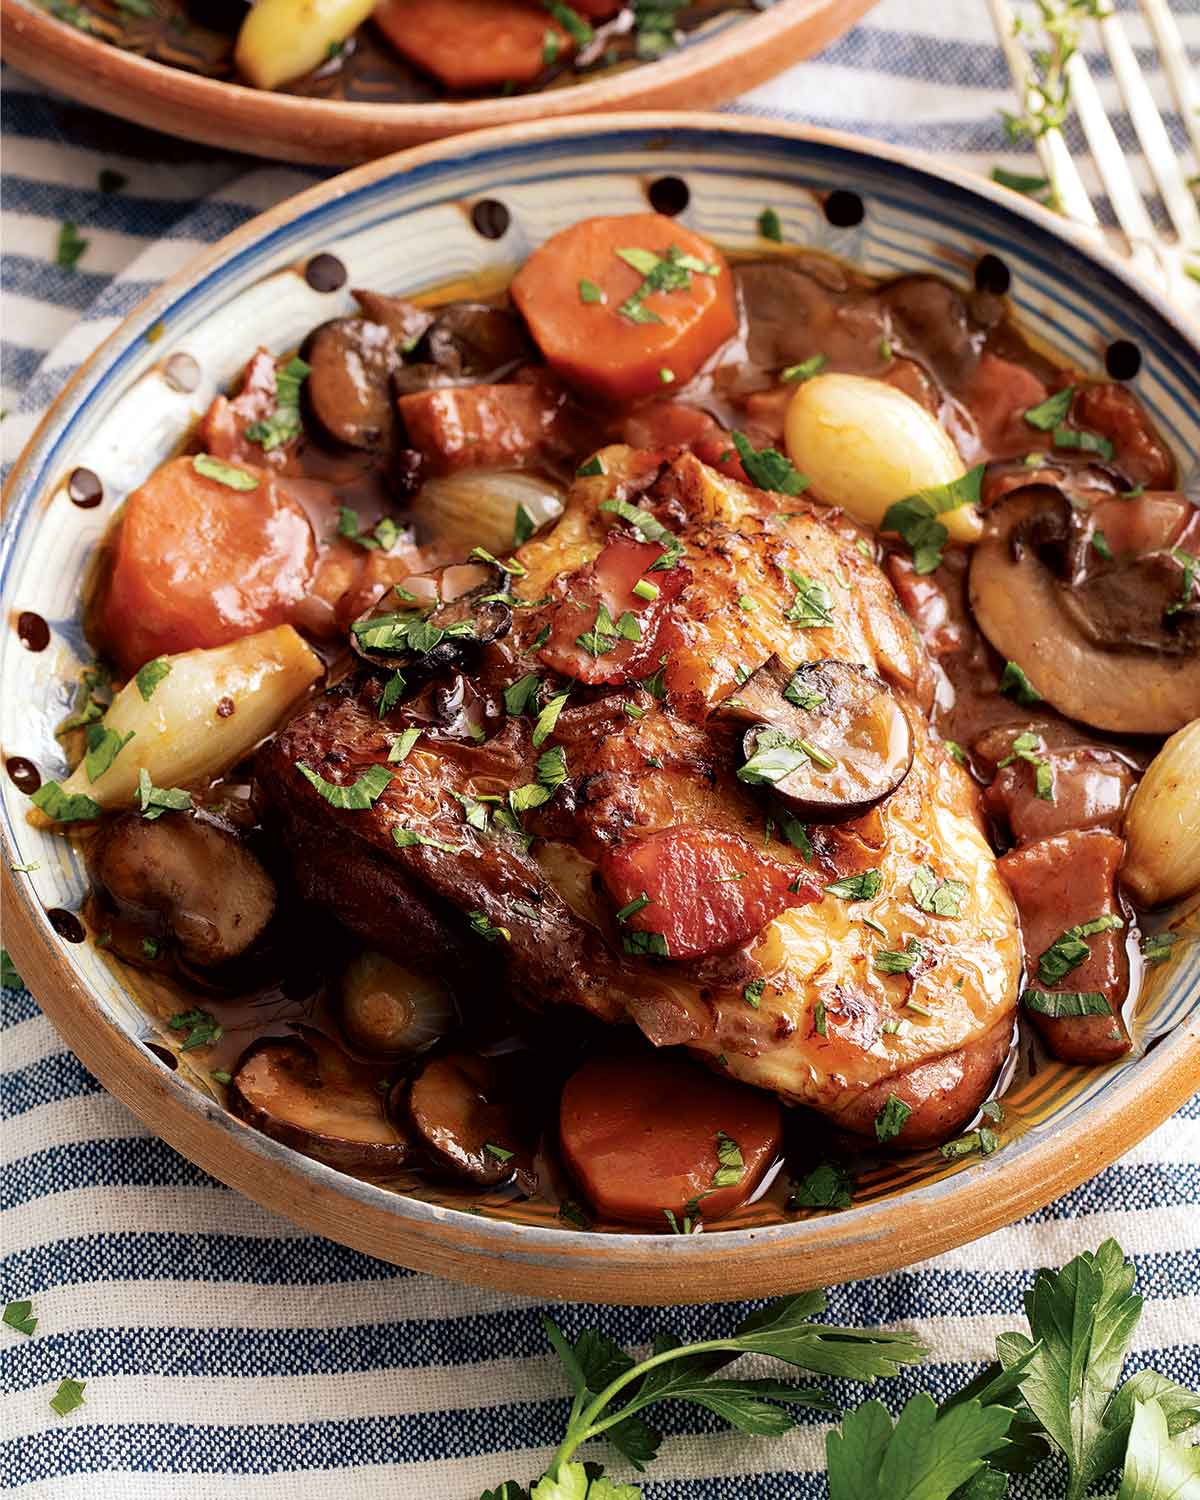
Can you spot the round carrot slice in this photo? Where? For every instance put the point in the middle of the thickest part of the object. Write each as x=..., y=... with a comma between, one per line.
x=648, y=1135
x=199, y=561
x=627, y=306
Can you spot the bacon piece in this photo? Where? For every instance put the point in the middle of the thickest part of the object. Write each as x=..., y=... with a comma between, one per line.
x=483, y=426
x=223, y=430
x=609, y=581
x=999, y=395
x=707, y=890
x=1115, y=413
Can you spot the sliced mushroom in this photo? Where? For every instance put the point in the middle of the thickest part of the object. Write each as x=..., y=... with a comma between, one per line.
x=1102, y=640
x=348, y=392
x=460, y=1110
x=404, y=320
x=308, y=1094
x=390, y=1010
x=186, y=878
x=829, y=738
x=444, y=619
x=469, y=342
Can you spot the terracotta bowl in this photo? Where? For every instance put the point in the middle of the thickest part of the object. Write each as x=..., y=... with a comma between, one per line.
x=727, y=57
x=403, y=224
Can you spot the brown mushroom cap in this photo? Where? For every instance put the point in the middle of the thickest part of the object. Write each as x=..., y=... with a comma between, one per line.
x=188, y=877
x=308, y=1094
x=858, y=744
x=1072, y=633
x=457, y=601
x=458, y=1106
x=348, y=390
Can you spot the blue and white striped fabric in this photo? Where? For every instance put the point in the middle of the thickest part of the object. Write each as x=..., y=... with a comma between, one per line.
x=226, y=1353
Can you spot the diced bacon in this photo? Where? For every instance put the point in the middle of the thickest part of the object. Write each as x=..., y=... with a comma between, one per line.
x=708, y=891
x=610, y=581
x=481, y=426
x=223, y=430
x=999, y=395
x=926, y=605
x=671, y=424
x=1115, y=413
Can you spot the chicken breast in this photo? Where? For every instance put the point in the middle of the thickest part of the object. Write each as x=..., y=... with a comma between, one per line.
x=651, y=883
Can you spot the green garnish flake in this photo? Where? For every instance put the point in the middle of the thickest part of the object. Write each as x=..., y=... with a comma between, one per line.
x=401, y=747
x=1156, y=947
x=1066, y=1003
x=892, y=961
x=983, y=1140
x=571, y=21
x=860, y=887
x=665, y=376
x=748, y=602
x=70, y=246
x=550, y=49
x=589, y=291
x=914, y=519
x=1051, y=412
x=646, y=590
x=1191, y=567
x=767, y=468
x=149, y=676
x=229, y=475
x=103, y=747
x=732, y=1166
x=151, y=947
x=1016, y=685
x=501, y=1153
x=356, y=797
x=18, y=1315
x=647, y=528
x=284, y=422
x=1020, y=182
x=956, y=752
x=68, y=1396
x=591, y=469
x=805, y=370
x=890, y=1120
x=669, y=272
x=1084, y=441
x=1069, y=949
x=64, y=807
x=635, y=905
x=522, y=694
x=820, y=1019
x=775, y=757
x=639, y=942
x=409, y=838
x=769, y=226
x=1025, y=747
x=812, y=607
x=1100, y=543
x=202, y=1028
x=483, y=928
x=943, y=898
x=393, y=691
x=829, y=1185
x=547, y=719
x=753, y=992
x=383, y=536
x=523, y=526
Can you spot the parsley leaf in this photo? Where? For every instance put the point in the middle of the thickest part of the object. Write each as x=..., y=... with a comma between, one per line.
x=928, y=1455
x=1087, y=442
x=1156, y=947
x=202, y=1028
x=284, y=422
x=547, y=719
x=1064, y=1003
x=767, y=468
x=70, y=246
x=18, y=1315
x=153, y=800
x=64, y=807
x=1016, y=685
x=68, y=1396
x=520, y=695
x=229, y=475
x=861, y=887
x=889, y=961
x=829, y=1185
x=402, y=746
x=769, y=226
x=1068, y=950
x=813, y=605
x=1051, y=412
x=1024, y=747
x=890, y=1120
x=914, y=519
x=356, y=797
x=149, y=676
x=1155, y=1467
x=479, y=924
x=752, y=993
x=805, y=370
x=103, y=747
x=944, y=898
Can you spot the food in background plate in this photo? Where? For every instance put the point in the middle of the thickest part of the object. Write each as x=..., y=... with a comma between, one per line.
x=737, y=674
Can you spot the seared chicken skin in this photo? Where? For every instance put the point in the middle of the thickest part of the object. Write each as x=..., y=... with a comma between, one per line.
x=653, y=883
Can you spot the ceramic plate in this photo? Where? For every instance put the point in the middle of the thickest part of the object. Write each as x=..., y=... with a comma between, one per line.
x=728, y=55
x=406, y=224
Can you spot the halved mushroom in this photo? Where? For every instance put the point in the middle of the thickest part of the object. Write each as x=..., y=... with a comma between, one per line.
x=468, y=342
x=1111, y=642
x=186, y=878
x=390, y=1010
x=404, y=320
x=445, y=618
x=348, y=391
x=308, y=1094
x=461, y=1111
x=829, y=738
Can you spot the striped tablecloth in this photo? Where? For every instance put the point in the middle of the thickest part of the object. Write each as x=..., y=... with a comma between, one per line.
x=228, y=1354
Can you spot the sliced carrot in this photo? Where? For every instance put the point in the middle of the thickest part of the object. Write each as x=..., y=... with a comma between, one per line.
x=645, y=1134
x=703, y=890
x=198, y=563
x=473, y=44
x=599, y=320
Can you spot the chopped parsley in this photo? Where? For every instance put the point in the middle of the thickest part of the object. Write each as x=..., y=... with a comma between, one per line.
x=393, y=691
x=1191, y=566
x=501, y=1153
x=648, y=528
x=151, y=947
x=1051, y=412
x=149, y=676
x=914, y=519
x=797, y=835
x=1100, y=543
x=826, y=1186
x=767, y=468
x=1069, y=950
x=891, y=961
x=890, y=1120
x=605, y=634
x=635, y=905
x=519, y=696
x=479, y=924
x=356, y=797
x=646, y=590
x=753, y=992
x=547, y=719
x=1087, y=442
x=1025, y=747
x=68, y=1396
x=776, y=756
x=860, y=887
x=409, y=838
x=18, y=1315
x=1015, y=684
x=638, y=942
x=402, y=746
x=803, y=697
x=103, y=747
x=552, y=766
x=820, y=1019
x=64, y=807
x=70, y=246
x=944, y=898
x=983, y=1140
x=591, y=469
x=805, y=370
x=284, y=422
x=732, y=1167
x=669, y=272
x=202, y=1028
x=769, y=226
x=665, y=376
x=383, y=536
x=523, y=525
x=1065, y=1003
x=1020, y=182
x=589, y=291
x=229, y=475
x=956, y=752
x=812, y=607
x=579, y=30
x=1156, y=947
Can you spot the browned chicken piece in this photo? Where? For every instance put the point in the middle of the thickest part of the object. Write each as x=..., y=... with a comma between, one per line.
x=904, y=981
